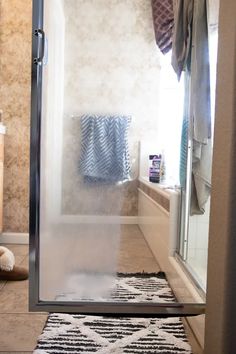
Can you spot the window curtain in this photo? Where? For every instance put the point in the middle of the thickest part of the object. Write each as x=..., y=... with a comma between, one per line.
x=163, y=21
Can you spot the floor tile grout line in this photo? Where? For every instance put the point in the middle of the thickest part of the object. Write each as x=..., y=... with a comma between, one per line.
x=2, y=288
x=26, y=256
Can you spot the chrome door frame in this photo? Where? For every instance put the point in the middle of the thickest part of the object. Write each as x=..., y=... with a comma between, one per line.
x=35, y=138
x=93, y=308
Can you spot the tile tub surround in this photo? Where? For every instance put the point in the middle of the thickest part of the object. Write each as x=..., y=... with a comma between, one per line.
x=15, y=79
x=111, y=66
x=198, y=245
x=160, y=198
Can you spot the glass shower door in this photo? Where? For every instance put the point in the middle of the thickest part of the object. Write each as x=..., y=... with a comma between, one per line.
x=194, y=236
x=87, y=253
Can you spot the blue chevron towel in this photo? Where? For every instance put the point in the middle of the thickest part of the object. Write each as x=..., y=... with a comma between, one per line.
x=104, y=148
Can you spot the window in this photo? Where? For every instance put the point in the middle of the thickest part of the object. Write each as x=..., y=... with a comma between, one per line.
x=171, y=116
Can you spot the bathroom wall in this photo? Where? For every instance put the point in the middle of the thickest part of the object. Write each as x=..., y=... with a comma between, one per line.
x=15, y=71
x=112, y=65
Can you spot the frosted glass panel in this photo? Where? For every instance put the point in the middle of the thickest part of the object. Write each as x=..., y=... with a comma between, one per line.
x=106, y=233
x=100, y=84
x=197, y=251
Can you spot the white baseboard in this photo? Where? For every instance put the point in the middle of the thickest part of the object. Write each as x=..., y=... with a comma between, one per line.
x=23, y=238
x=97, y=219
x=14, y=238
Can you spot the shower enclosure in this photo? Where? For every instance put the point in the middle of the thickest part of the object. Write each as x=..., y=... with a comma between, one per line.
x=193, y=247
x=91, y=65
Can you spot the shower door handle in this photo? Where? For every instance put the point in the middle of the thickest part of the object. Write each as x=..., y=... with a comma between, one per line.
x=40, y=33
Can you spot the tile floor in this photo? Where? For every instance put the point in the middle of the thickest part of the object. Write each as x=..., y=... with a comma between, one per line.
x=19, y=328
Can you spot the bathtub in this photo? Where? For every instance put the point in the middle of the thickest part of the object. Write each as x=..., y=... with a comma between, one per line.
x=158, y=220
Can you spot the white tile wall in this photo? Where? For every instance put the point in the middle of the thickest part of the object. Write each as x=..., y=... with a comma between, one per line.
x=198, y=244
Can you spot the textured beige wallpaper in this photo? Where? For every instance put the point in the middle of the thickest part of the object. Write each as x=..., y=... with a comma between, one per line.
x=15, y=76
x=126, y=72
x=111, y=67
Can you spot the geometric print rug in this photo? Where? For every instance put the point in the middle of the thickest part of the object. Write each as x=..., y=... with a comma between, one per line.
x=125, y=287
x=75, y=334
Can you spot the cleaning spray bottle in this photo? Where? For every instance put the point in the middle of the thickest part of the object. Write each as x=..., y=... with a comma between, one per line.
x=155, y=168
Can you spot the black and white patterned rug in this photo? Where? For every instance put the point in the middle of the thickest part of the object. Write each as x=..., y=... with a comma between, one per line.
x=75, y=334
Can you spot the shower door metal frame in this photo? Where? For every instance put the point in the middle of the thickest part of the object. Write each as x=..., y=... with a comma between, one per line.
x=186, y=191
x=35, y=143
x=35, y=304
